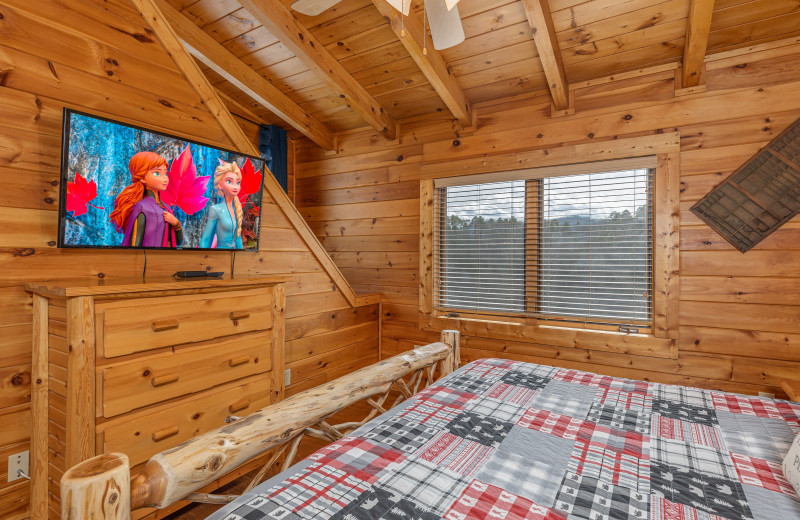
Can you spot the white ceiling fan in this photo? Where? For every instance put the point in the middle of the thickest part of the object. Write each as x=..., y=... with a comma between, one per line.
x=442, y=16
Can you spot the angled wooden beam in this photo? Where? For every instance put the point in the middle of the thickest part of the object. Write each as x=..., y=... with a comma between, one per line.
x=694, y=50
x=219, y=59
x=432, y=65
x=544, y=35
x=278, y=20
x=191, y=70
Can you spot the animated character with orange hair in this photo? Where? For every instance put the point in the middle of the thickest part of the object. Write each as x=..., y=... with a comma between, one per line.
x=225, y=218
x=138, y=210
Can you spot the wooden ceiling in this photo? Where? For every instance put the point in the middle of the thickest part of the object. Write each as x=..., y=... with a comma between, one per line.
x=590, y=39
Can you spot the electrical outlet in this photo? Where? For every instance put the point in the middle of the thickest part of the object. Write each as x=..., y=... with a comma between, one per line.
x=287, y=377
x=766, y=394
x=16, y=463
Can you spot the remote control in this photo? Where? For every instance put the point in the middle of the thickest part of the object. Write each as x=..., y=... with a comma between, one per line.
x=199, y=274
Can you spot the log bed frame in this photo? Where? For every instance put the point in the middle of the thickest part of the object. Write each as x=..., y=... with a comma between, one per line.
x=102, y=487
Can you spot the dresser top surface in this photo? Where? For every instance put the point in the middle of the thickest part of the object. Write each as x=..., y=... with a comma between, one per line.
x=98, y=287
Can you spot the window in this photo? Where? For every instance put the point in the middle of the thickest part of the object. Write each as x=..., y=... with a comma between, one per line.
x=571, y=244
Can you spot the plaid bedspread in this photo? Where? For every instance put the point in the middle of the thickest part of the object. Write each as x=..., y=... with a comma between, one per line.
x=506, y=440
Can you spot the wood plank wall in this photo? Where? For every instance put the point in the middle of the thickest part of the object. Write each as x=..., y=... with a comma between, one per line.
x=739, y=314
x=98, y=56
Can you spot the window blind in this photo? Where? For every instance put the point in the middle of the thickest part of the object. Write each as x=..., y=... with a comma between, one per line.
x=567, y=247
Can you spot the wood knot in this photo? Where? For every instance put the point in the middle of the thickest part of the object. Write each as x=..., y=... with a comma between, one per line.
x=457, y=142
x=18, y=379
x=112, y=498
x=627, y=117
x=214, y=463
x=28, y=251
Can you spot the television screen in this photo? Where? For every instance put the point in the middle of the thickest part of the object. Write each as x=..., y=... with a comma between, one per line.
x=124, y=186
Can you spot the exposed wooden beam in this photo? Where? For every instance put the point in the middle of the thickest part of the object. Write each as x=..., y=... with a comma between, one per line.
x=203, y=47
x=694, y=50
x=544, y=35
x=278, y=20
x=432, y=65
x=154, y=17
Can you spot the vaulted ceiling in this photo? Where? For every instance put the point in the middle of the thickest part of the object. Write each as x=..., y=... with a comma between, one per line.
x=350, y=67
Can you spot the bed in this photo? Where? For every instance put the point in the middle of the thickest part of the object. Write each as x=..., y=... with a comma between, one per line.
x=511, y=440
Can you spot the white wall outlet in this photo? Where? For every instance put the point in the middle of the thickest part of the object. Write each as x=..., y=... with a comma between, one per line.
x=18, y=463
x=287, y=377
x=766, y=394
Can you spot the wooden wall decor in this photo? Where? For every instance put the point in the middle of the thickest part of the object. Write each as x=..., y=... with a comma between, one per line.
x=759, y=197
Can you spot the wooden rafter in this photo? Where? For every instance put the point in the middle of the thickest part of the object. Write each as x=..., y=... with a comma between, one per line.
x=172, y=44
x=154, y=17
x=433, y=65
x=544, y=35
x=203, y=47
x=694, y=50
x=277, y=19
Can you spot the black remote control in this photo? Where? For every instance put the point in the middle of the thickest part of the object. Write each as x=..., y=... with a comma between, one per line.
x=198, y=274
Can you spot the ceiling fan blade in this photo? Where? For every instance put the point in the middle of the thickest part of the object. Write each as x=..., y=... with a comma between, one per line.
x=451, y=3
x=404, y=6
x=313, y=7
x=446, y=28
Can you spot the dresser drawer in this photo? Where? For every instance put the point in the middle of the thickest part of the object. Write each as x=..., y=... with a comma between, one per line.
x=148, y=380
x=128, y=326
x=142, y=436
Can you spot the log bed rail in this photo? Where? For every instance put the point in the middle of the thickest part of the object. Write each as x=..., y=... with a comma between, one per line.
x=102, y=487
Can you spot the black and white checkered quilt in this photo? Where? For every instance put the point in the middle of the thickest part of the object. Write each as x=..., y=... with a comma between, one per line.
x=507, y=440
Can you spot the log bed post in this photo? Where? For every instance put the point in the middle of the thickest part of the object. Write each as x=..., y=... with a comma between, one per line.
x=97, y=488
x=102, y=487
x=453, y=361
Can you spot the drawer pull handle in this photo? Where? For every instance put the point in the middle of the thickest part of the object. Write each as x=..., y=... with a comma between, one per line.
x=239, y=405
x=164, y=380
x=165, y=433
x=235, y=362
x=162, y=325
x=238, y=315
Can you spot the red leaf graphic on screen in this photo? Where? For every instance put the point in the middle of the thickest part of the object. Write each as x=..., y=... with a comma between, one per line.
x=185, y=189
x=79, y=194
x=251, y=181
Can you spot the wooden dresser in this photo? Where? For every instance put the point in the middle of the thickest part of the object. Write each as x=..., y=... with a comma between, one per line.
x=140, y=367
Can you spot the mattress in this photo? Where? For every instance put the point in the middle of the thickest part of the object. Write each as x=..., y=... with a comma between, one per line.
x=508, y=440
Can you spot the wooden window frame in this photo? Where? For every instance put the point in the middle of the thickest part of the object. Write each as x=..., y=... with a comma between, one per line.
x=662, y=340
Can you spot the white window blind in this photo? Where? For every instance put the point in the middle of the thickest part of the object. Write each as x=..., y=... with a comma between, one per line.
x=566, y=247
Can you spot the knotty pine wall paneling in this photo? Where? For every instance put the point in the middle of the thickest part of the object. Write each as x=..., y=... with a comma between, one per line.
x=739, y=317
x=98, y=56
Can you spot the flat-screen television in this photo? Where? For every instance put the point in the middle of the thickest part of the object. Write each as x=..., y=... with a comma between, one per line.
x=127, y=187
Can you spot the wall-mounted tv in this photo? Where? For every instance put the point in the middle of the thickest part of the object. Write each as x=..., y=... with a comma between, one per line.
x=126, y=187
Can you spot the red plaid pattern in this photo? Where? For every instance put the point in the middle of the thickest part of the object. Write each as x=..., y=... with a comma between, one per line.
x=544, y=421
x=790, y=413
x=741, y=404
x=455, y=453
x=618, y=456
x=613, y=396
x=762, y=473
x=358, y=457
x=583, y=378
x=518, y=395
x=482, y=501
x=323, y=483
x=675, y=429
x=663, y=509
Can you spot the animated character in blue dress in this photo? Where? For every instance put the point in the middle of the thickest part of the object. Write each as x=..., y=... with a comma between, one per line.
x=225, y=219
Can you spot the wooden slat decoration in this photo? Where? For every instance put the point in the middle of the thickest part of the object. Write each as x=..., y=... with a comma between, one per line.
x=759, y=197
